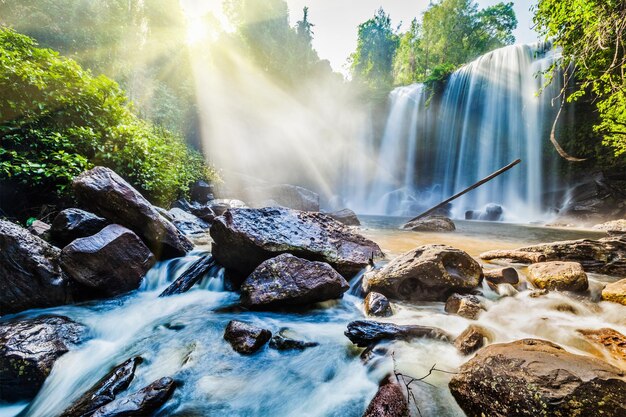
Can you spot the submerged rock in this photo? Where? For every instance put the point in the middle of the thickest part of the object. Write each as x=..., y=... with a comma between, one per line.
x=472, y=339
x=431, y=224
x=426, y=273
x=615, y=291
x=109, y=195
x=30, y=272
x=562, y=276
x=243, y=238
x=377, y=305
x=345, y=216
x=141, y=403
x=389, y=401
x=365, y=333
x=284, y=340
x=75, y=223
x=534, y=377
x=109, y=263
x=246, y=338
x=284, y=195
x=28, y=350
x=464, y=305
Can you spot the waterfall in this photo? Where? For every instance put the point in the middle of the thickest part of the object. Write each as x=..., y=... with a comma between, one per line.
x=489, y=113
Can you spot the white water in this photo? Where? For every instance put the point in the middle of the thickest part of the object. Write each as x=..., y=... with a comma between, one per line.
x=490, y=114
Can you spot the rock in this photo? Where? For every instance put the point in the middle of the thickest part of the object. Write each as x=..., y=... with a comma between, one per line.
x=431, y=224
x=29, y=348
x=107, y=194
x=141, y=403
x=246, y=338
x=364, y=333
x=285, y=195
x=109, y=263
x=533, y=377
x=426, y=273
x=203, y=212
x=194, y=273
x=472, y=339
x=105, y=390
x=243, y=238
x=40, y=229
x=614, y=227
x=75, y=223
x=594, y=200
x=377, y=305
x=538, y=293
x=611, y=340
x=290, y=281
x=389, y=401
x=201, y=192
x=491, y=212
x=562, y=276
x=30, y=273
x=188, y=223
x=345, y=216
x=616, y=292
x=219, y=208
x=464, y=305
x=501, y=276
x=284, y=341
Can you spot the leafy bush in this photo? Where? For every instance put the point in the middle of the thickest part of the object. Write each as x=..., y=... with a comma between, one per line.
x=57, y=120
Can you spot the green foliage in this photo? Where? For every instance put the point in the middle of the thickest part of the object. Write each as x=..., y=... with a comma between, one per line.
x=56, y=120
x=592, y=34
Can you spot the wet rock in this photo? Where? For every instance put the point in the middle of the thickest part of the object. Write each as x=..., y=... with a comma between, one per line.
x=30, y=273
x=203, y=212
x=285, y=341
x=472, y=339
x=501, y=276
x=615, y=292
x=246, y=338
x=40, y=229
x=614, y=227
x=202, y=192
x=219, y=208
x=105, y=390
x=287, y=280
x=538, y=293
x=534, y=377
x=188, y=223
x=389, y=401
x=243, y=238
x=28, y=350
x=75, y=223
x=464, y=305
x=562, y=276
x=107, y=194
x=345, y=216
x=111, y=262
x=431, y=224
x=613, y=341
x=377, y=305
x=141, y=403
x=364, y=333
x=426, y=273
x=594, y=200
x=194, y=273
x=285, y=195
x=491, y=212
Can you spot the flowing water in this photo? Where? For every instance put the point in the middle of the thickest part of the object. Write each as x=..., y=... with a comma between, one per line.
x=182, y=336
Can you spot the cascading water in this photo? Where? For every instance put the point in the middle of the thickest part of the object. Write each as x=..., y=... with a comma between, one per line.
x=489, y=114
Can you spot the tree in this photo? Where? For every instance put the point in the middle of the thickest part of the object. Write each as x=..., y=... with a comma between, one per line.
x=592, y=35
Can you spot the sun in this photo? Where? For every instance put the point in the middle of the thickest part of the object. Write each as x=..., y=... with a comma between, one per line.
x=197, y=30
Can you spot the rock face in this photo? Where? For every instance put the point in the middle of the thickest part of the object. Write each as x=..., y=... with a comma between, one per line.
x=30, y=273
x=389, y=401
x=345, y=216
x=562, y=276
x=287, y=280
x=431, y=224
x=533, y=377
x=464, y=305
x=285, y=195
x=365, y=333
x=75, y=223
x=472, y=339
x=615, y=292
x=246, y=338
x=377, y=305
x=188, y=223
x=595, y=200
x=141, y=403
x=108, y=263
x=426, y=273
x=29, y=348
x=107, y=194
x=243, y=238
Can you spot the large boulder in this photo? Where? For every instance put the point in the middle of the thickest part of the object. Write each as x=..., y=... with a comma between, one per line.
x=426, y=273
x=431, y=224
x=389, y=401
x=597, y=199
x=30, y=273
x=285, y=195
x=615, y=291
x=243, y=238
x=345, y=216
x=246, y=338
x=75, y=223
x=107, y=194
x=533, y=377
x=29, y=348
x=291, y=281
x=562, y=276
x=141, y=403
x=111, y=262
x=366, y=333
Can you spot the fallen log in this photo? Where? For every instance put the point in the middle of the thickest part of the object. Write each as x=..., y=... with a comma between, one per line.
x=514, y=255
x=501, y=276
x=190, y=277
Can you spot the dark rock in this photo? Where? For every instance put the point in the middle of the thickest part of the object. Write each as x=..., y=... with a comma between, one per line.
x=29, y=348
x=377, y=305
x=431, y=224
x=105, y=390
x=615, y=292
x=30, y=273
x=246, y=338
x=345, y=216
x=364, y=333
x=190, y=277
x=141, y=403
x=472, y=339
x=533, y=377
x=202, y=211
x=287, y=280
x=284, y=341
x=201, y=192
x=593, y=201
x=108, y=263
x=491, y=212
x=188, y=223
x=40, y=229
x=107, y=194
x=464, y=305
x=426, y=273
x=285, y=195
x=243, y=238
x=389, y=401
x=219, y=208
x=75, y=223
x=562, y=276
